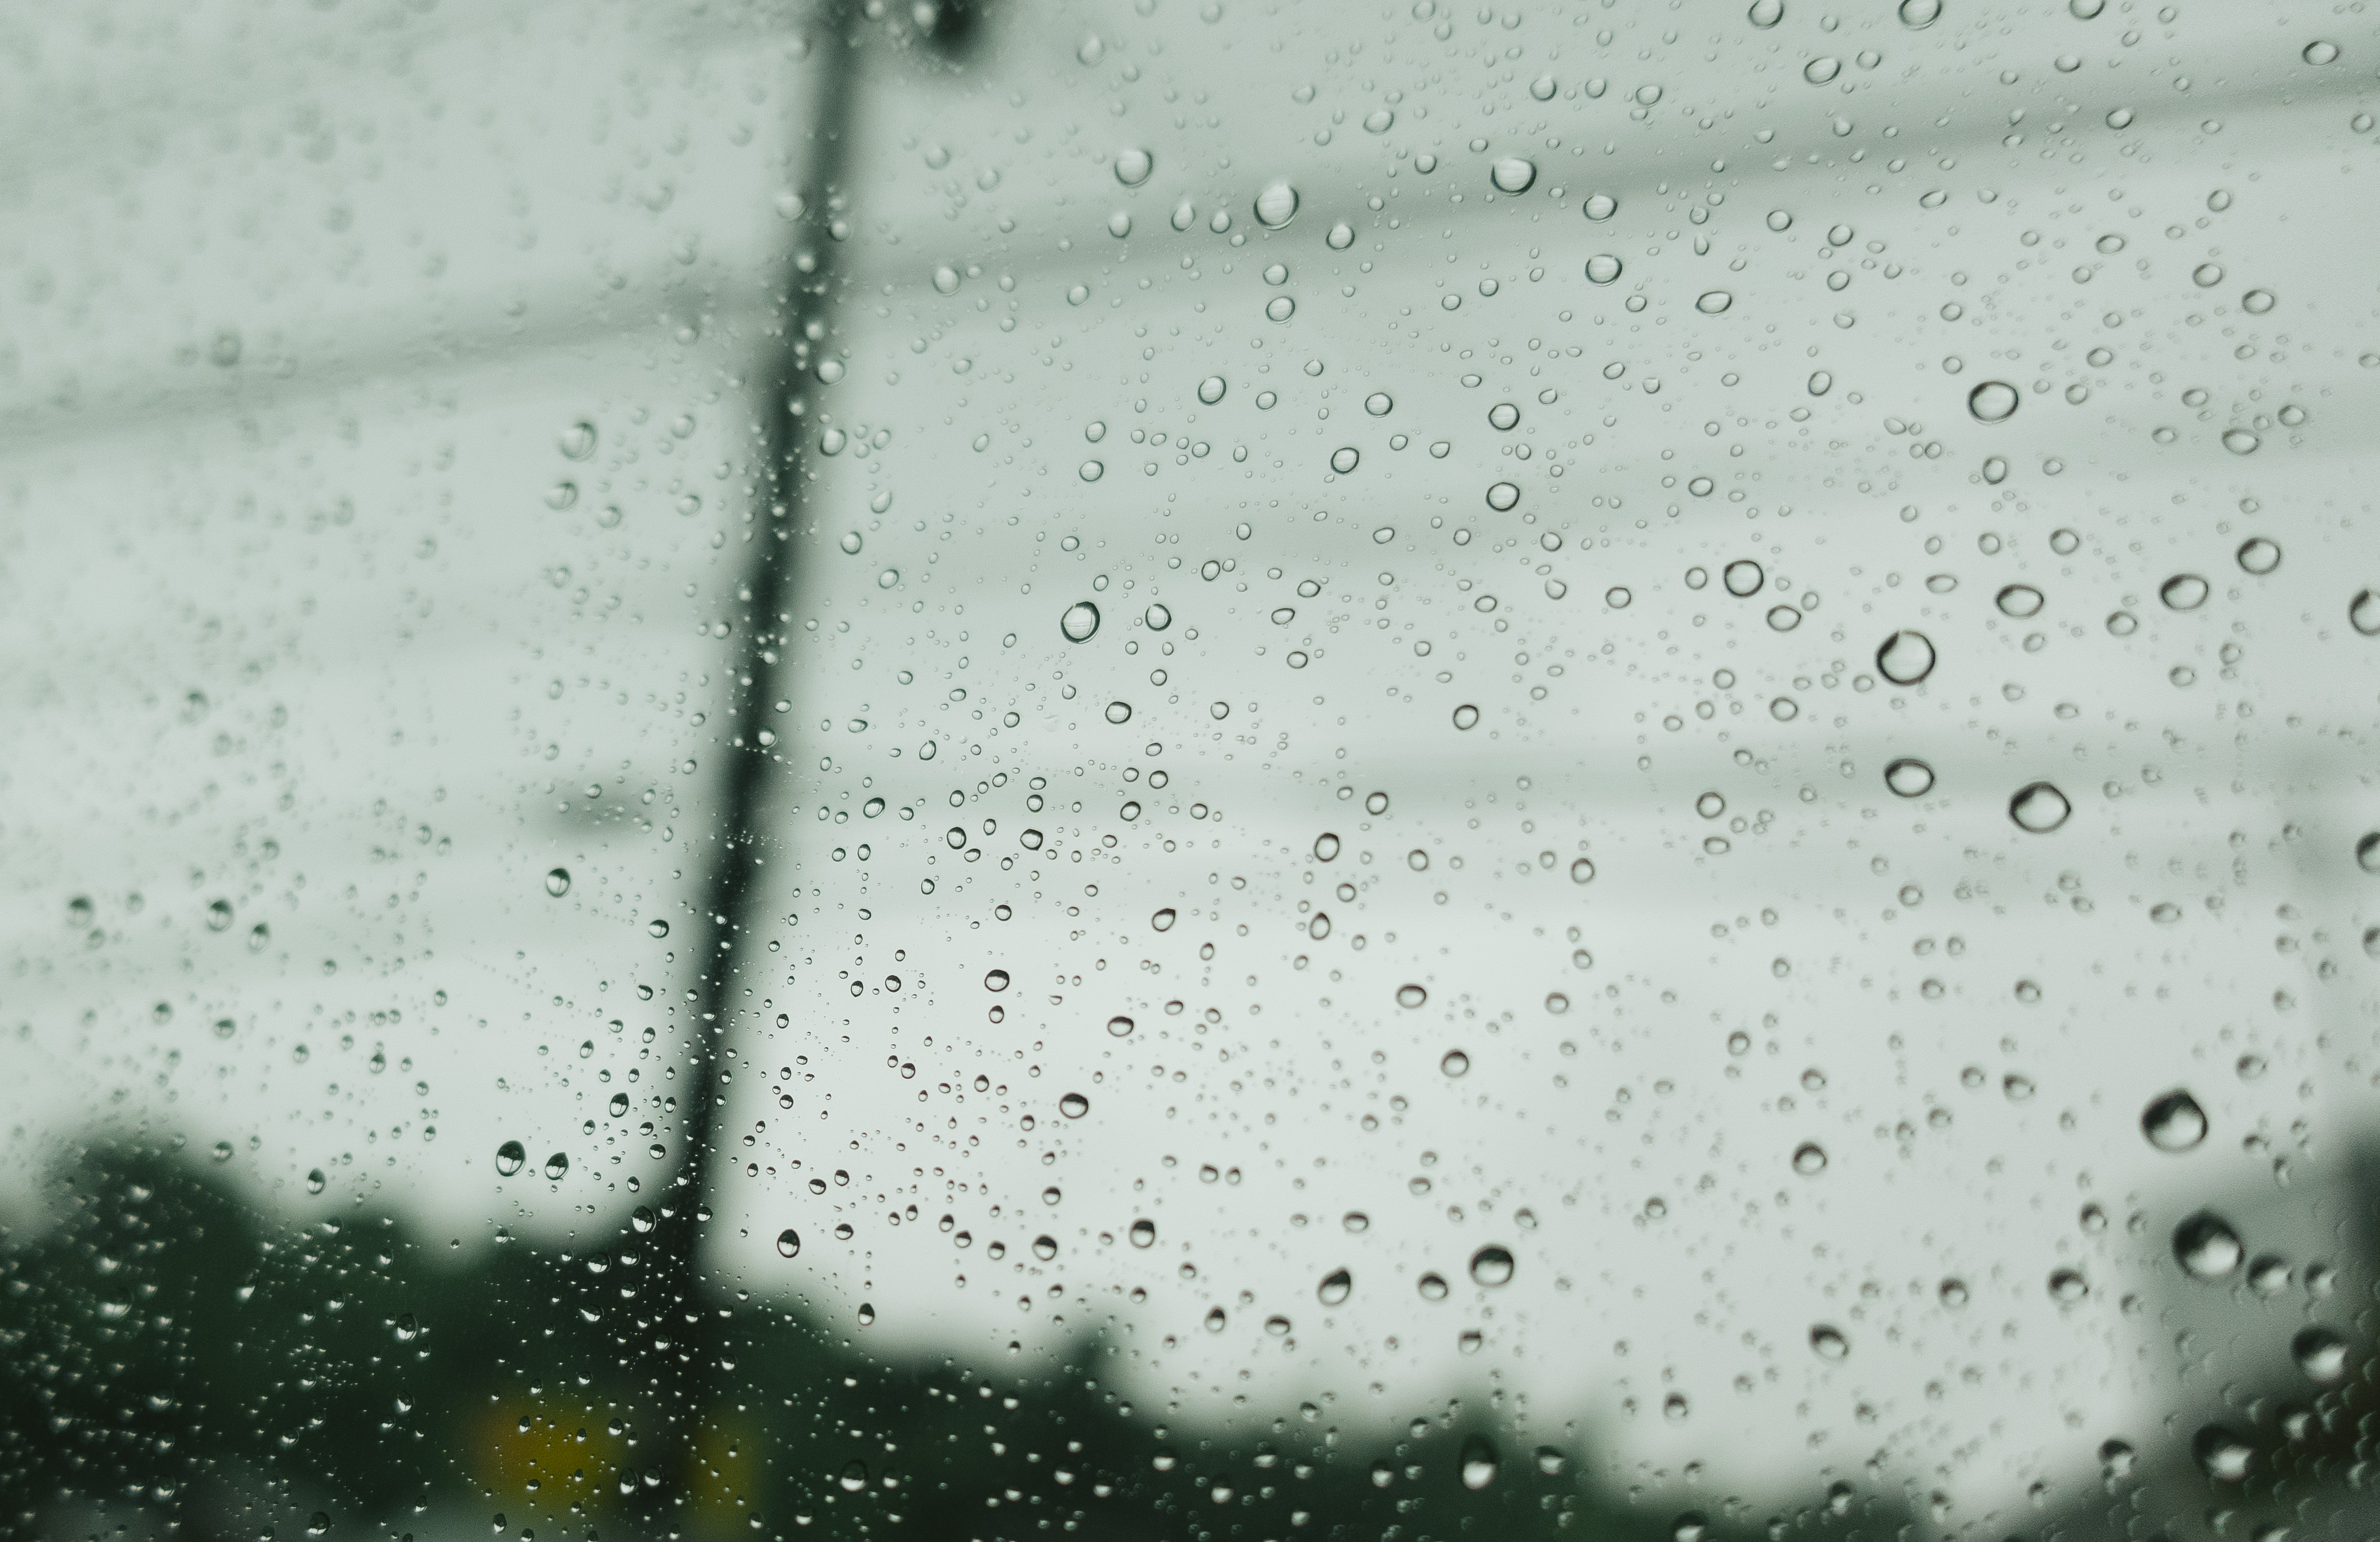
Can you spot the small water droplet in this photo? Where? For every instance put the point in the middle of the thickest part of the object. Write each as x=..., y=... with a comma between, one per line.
x=1342, y=236
x=1163, y=919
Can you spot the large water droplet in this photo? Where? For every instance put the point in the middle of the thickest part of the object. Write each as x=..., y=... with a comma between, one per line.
x=2221, y=1454
x=577, y=440
x=2183, y=591
x=1466, y=716
x=2320, y=52
x=1909, y=778
x=557, y=882
x=1326, y=846
x=1120, y=1026
x=1478, y=1464
x=1210, y=390
x=556, y=1166
x=1082, y=619
x=2206, y=1247
x=511, y=1157
x=1742, y=577
x=1602, y=267
x=1828, y=1341
x=1917, y=15
x=1710, y=302
x=1809, y=1158
x=1491, y=1266
x=2240, y=441
x=1600, y=206
x=1454, y=1062
x=2259, y=556
x=789, y=1243
x=1074, y=1105
x=1766, y=13
x=1143, y=1234
x=2039, y=807
x=2363, y=613
x=1994, y=401
x=1820, y=71
x=1512, y=174
x=1411, y=995
x=2019, y=601
x=2321, y=1353
x=2367, y=852
x=1133, y=166
x=2174, y=1122
x=1276, y=205
x=1906, y=658
x=1335, y=1287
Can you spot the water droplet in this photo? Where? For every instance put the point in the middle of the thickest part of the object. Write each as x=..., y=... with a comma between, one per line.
x=511, y=1157
x=1809, y=1158
x=2367, y=852
x=789, y=1243
x=1830, y=1342
x=577, y=440
x=1602, y=267
x=996, y=979
x=1326, y=846
x=1600, y=206
x=1906, y=658
x=2363, y=613
x=1820, y=71
x=1478, y=1464
x=1344, y=458
x=2321, y=1353
x=1502, y=496
x=1917, y=15
x=1411, y=995
x=1491, y=1266
x=1163, y=919
x=2068, y=1286
x=1466, y=716
x=2174, y=1122
x=2206, y=1247
x=1133, y=166
x=1143, y=1234
x=889, y=578
x=1082, y=619
x=2255, y=302
x=1432, y=1287
x=557, y=882
x=1210, y=390
x=1710, y=302
x=1783, y=618
x=1582, y=870
x=2320, y=52
x=2221, y=1454
x=556, y=1166
x=1335, y=1287
x=1119, y=711
x=1742, y=577
x=1281, y=307
x=1691, y=1526
x=1454, y=1062
x=1074, y=1105
x=1766, y=13
x=2039, y=807
x=657, y=927
x=1118, y=1026
x=1342, y=236
x=2240, y=441
x=315, y=1182
x=1512, y=174
x=1909, y=778
x=1994, y=401
x=1379, y=404
x=2019, y=601
x=2183, y=591
x=1276, y=205
x=850, y=542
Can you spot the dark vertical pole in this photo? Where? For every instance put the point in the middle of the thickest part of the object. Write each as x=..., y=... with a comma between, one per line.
x=682, y=1332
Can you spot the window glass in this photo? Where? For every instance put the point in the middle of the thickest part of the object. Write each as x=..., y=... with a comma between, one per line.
x=1214, y=768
